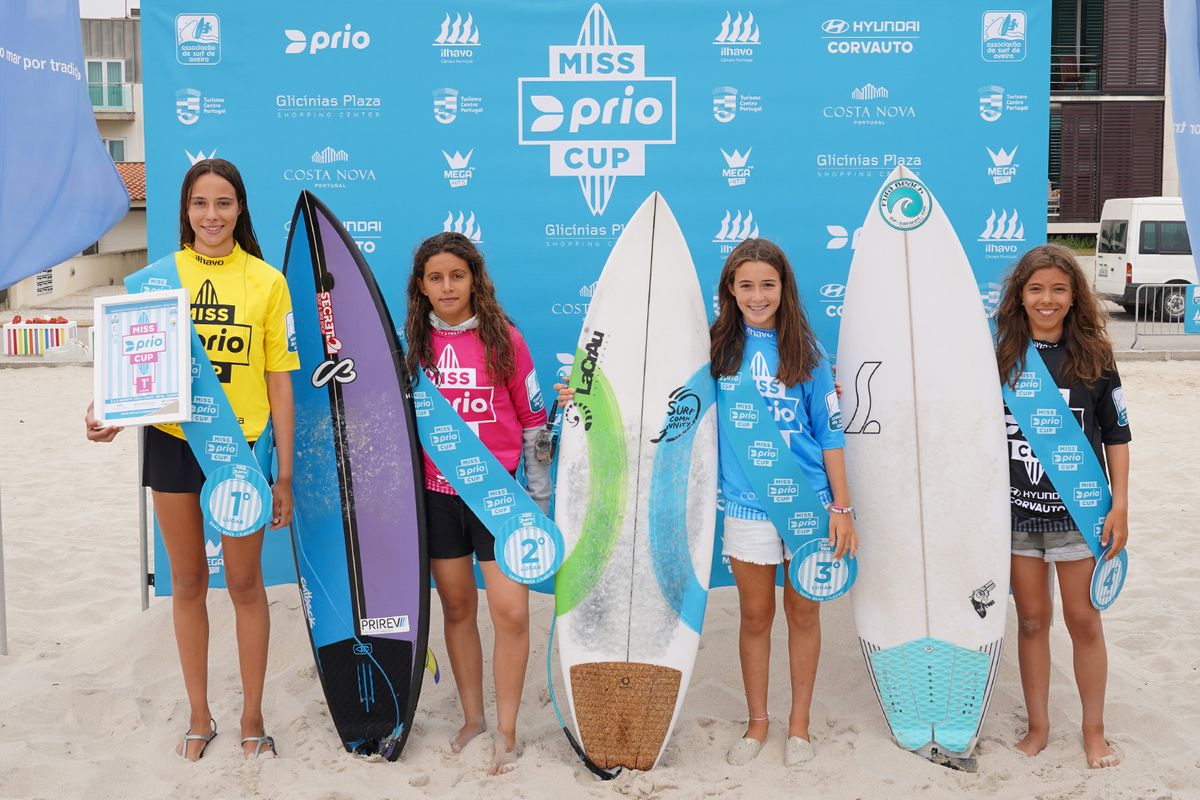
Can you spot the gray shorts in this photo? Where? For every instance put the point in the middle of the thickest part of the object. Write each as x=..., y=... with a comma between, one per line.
x=1052, y=546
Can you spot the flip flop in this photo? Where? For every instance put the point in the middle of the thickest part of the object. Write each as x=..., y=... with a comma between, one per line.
x=196, y=737
x=262, y=744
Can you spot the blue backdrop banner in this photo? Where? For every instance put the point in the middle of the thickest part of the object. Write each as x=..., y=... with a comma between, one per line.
x=536, y=129
x=59, y=190
x=1183, y=62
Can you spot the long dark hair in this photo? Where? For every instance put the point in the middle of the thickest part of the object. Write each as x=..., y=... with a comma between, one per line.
x=493, y=322
x=1089, y=350
x=243, y=229
x=798, y=351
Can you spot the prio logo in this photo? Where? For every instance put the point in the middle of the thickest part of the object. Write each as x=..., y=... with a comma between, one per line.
x=869, y=111
x=597, y=110
x=734, y=229
x=198, y=39
x=227, y=341
x=839, y=237
x=345, y=39
x=329, y=156
x=466, y=225
x=187, y=106
x=460, y=386
x=1003, y=36
x=832, y=296
x=199, y=155
x=578, y=308
x=366, y=233
x=1003, y=170
x=1001, y=234
x=459, y=170
x=905, y=204
x=783, y=408
x=737, y=171
x=737, y=38
x=456, y=41
x=870, y=36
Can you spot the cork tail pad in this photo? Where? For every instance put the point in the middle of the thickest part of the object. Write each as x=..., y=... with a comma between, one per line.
x=624, y=711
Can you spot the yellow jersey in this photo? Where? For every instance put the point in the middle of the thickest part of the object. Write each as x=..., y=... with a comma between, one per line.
x=243, y=312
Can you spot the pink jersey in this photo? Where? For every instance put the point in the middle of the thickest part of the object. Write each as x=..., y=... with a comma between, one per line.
x=498, y=413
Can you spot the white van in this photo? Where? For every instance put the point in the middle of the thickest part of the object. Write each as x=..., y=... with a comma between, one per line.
x=1144, y=240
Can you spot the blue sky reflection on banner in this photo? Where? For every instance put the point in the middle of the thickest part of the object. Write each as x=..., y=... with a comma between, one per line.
x=59, y=190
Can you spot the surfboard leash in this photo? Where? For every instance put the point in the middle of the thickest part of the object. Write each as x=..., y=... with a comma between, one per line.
x=600, y=772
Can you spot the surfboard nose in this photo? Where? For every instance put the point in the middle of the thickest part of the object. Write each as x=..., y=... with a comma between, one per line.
x=624, y=711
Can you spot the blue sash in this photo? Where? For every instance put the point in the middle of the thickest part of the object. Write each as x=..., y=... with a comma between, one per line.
x=1071, y=464
x=529, y=546
x=783, y=489
x=235, y=499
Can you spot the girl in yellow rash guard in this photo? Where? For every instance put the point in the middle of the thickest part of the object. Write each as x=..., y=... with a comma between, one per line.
x=243, y=313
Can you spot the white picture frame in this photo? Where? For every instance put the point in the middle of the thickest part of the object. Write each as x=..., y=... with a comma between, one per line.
x=142, y=370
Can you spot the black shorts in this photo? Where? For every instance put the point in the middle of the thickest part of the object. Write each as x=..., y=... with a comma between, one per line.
x=453, y=529
x=168, y=464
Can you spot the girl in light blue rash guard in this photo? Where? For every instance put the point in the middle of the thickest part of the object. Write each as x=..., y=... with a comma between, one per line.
x=761, y=321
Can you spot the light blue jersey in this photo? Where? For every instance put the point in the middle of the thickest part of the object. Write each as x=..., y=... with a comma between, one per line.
x=807, y=415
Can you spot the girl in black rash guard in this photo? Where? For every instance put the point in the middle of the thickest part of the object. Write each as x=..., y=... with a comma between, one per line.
x=1047, y=299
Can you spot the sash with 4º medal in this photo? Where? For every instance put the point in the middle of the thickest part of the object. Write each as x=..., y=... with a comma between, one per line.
x=1071, y=464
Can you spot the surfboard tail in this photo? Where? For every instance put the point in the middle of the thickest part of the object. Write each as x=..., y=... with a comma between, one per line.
x=624, y=711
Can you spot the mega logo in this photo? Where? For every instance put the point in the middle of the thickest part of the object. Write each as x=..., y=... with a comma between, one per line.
x=587, y=366
x=325, y=318
x=227, y=342
x=597, y=110
x=460, y=171
x=737, y=170
x=1003, y=170
x=345, y=39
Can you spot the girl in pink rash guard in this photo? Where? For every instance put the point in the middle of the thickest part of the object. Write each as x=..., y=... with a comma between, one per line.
x=464, y=341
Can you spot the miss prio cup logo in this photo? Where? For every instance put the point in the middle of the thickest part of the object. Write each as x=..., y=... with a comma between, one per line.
x=905, y=204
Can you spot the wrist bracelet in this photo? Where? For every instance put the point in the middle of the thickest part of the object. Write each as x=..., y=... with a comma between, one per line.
x=834, y=509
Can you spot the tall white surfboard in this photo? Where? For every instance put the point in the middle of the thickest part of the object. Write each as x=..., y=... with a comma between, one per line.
x=928, y=470
x=636, y=496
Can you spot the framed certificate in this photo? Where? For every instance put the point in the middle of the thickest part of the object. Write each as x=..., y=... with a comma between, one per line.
x=143, y=357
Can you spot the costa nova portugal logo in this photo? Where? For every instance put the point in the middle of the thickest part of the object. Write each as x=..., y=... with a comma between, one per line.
x=905, y=204
x=597, y=110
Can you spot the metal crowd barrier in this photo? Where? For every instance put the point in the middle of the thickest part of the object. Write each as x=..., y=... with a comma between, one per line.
x=1160, y=310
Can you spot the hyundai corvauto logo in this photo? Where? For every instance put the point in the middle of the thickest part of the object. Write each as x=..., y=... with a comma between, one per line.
x=835, y=27
x=834, y=291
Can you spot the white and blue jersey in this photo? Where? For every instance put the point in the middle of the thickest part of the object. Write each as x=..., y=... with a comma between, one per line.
x=807, y=415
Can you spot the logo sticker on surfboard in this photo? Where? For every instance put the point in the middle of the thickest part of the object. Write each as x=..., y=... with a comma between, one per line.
x=905, y=204
x=817, y=575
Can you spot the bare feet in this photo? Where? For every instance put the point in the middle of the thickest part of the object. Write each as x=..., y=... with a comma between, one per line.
x=504, y=759
x=1034, y=742
x=1099, y=752
x=465, y=734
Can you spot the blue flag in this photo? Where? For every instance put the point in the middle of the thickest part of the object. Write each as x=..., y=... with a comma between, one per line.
x=59, y=190
x=1183, y=60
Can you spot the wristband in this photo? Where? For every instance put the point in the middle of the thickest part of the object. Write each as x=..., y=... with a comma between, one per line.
x=840, y=509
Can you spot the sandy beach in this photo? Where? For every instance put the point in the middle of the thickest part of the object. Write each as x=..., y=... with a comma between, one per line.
x=92, y=702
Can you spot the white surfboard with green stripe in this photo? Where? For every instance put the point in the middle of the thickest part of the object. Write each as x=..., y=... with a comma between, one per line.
x=636, y=496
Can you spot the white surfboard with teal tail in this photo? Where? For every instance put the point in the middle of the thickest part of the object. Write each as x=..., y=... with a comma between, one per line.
x=636, y=496
x=928, y=469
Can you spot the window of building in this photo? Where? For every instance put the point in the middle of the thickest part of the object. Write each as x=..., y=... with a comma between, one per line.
x=106, y=83
x=116, y=148
x=1076, y=45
